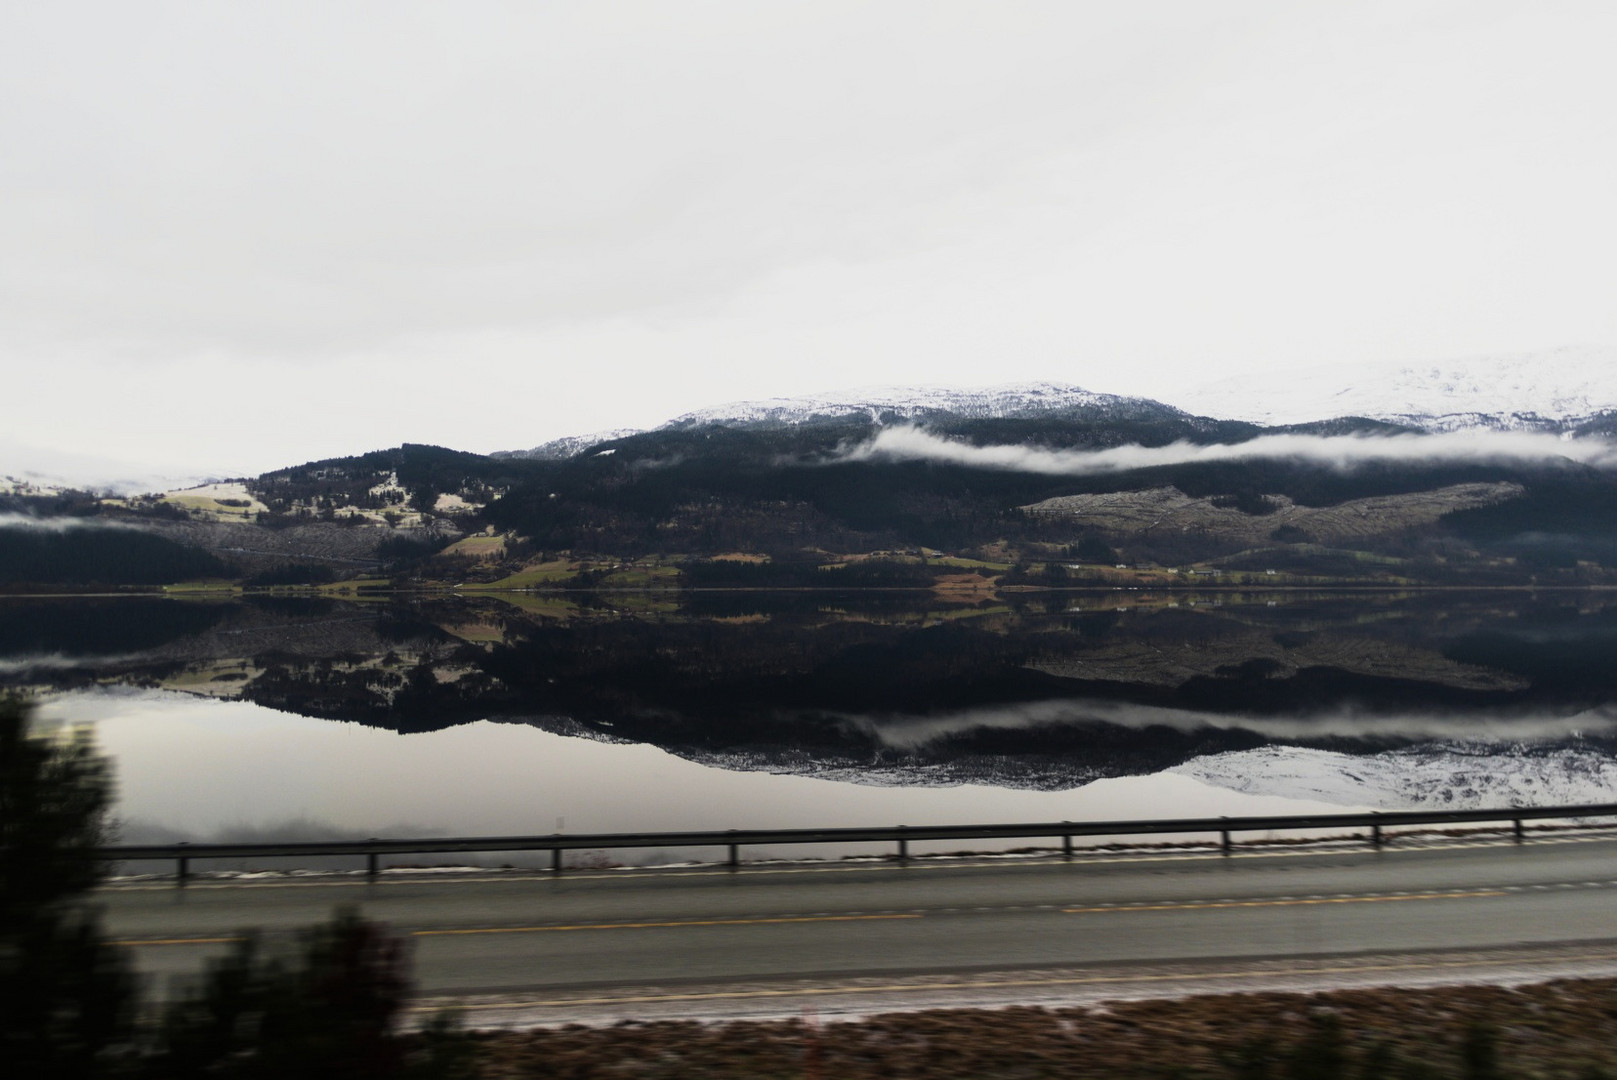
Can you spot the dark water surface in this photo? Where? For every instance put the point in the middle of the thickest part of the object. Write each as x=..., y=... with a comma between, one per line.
x=522, y=713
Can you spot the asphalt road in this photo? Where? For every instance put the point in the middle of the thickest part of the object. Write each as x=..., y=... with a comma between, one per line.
x=710, y=941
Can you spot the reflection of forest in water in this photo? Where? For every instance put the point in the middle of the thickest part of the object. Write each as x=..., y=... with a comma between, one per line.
x=1042, y=689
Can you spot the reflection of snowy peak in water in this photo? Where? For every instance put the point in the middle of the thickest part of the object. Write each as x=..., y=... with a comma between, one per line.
x=1456, y=775
x=1449, y=773
x=1026, y=773
x=879, y=768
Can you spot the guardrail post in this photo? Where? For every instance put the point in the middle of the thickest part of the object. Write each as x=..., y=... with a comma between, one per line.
x=903, y=848
x=555, y=860
x=1225, y=844
x=371, y=868
x=1066, y=844
x=1519, y=833
x=735, y=855
x=184, y=870
x=1375, y=834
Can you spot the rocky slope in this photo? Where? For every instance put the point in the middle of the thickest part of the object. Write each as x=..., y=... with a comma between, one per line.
x=1169, y=510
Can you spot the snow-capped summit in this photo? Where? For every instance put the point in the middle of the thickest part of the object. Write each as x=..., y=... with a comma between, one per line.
x=1554, y=390
x=882, y=404
x=901, y=403
x=1557, y=388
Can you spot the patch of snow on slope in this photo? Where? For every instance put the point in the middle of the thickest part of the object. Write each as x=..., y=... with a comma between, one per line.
x=1558, y=386
x=570, y=445
x=1444, y=775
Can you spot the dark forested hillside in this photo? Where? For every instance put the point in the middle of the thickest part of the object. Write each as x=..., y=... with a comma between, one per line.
x=810, y=495
x=411, y=473
x=717, y=489
x=789, y=490
x=89, y=555
x=777, y=487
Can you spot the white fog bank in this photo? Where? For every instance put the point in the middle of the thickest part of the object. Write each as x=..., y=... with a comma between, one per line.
x=1332, y=451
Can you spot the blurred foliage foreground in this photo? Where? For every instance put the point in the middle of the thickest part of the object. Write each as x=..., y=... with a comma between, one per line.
x=71, y=1005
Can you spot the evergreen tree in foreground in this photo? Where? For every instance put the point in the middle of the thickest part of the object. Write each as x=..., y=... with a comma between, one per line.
x=69, y=1006
x=67, y=997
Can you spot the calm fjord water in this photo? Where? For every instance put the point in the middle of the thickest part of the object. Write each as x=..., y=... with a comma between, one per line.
x=310, y=718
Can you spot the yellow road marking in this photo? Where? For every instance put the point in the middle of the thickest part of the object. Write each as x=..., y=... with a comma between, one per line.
x=1197, y=905
x=576, y=926
x=990, y=984
x=660, y=925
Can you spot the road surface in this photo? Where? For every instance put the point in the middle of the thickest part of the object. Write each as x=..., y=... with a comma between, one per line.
x=849, y=937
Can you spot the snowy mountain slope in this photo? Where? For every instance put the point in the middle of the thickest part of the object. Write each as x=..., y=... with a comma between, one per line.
x=894, y=404
x=1546, y=390
x=1450, y=775
x=1550, y=391
x=568, y=445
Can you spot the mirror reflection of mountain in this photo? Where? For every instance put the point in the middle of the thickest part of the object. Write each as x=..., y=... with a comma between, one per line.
x=1041, y=690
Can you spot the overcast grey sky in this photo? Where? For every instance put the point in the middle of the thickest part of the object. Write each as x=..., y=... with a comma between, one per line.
x=236, y=236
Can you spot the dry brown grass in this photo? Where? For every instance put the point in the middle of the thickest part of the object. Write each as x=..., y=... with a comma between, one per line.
x=1558, y=1029
x=953, y=586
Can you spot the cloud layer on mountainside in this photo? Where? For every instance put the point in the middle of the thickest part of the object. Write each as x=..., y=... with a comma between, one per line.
x=1331, y=451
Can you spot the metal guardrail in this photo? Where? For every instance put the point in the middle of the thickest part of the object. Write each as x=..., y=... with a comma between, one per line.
x=903, y=835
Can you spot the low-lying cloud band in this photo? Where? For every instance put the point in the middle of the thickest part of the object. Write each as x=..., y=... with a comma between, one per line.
x=1332, y=451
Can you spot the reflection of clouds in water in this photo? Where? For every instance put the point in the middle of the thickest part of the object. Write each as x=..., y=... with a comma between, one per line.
x=1550, y=635
x=914, y=732
x=1332, y=451
x=137, y=705
x=43, y=662
x=290, y=830
x=59, y=524
x=218, y=769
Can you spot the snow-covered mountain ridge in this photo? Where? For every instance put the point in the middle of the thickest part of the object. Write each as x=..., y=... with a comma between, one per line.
x=881, y=405
x=1555, y=389
x=891, y=404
